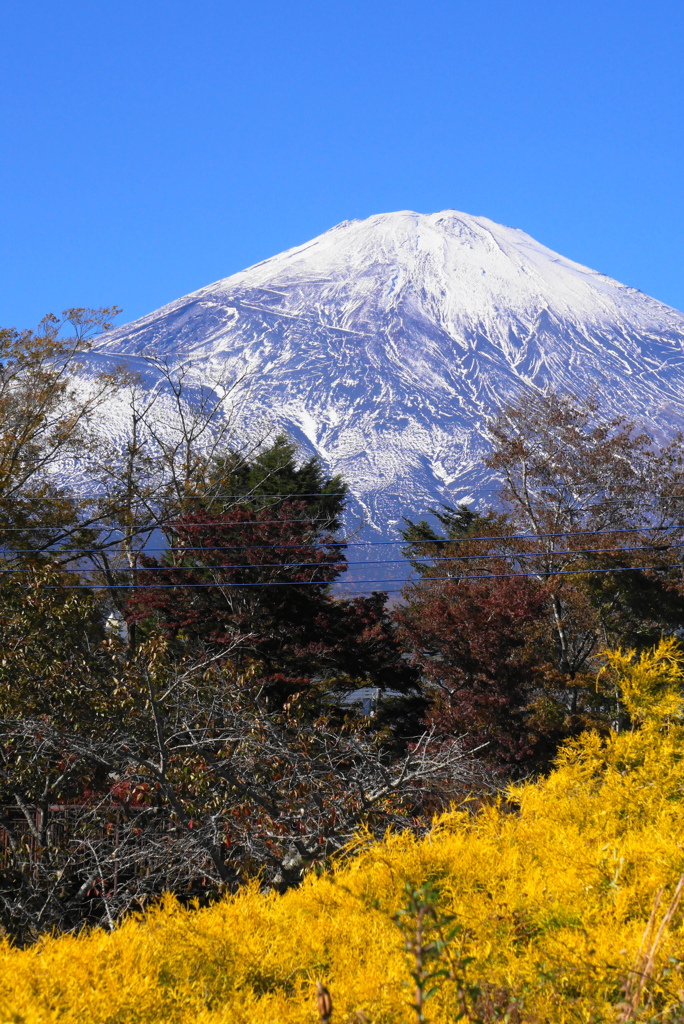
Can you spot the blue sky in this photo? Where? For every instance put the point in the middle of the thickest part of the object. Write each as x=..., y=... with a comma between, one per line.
x=149, y=148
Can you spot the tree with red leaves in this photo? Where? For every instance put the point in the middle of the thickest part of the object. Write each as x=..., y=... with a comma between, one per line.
x=583, y=552
x=471, y=640
x=256, y=578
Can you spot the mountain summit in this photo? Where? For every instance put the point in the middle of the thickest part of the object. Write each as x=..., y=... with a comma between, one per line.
x=383, y=343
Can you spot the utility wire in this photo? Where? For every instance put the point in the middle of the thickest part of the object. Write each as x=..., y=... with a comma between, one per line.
x=318, y=583
x=383, y=561
x=253, y=522
x=360, y=543
x=186, y=526
x=251, y=495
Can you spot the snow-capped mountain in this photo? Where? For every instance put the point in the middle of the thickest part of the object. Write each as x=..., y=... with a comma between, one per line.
x=383, y=343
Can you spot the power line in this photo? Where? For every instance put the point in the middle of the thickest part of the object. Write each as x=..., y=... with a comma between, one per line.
x=360, y=543
x=326, y=494
x=253, y=522
x=318, y=583
x=251, y=495
x=533, y=554
x=383, y=561
x=168, y=526
x=247, y=522
x=598, y=501
x=535, y=536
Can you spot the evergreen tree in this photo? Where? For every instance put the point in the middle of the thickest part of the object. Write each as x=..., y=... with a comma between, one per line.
x=254, y=575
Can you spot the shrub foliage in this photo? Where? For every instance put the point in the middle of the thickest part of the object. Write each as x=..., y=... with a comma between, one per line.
x=534, y=909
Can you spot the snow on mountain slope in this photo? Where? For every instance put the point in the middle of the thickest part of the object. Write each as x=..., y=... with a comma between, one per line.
x=383, y=343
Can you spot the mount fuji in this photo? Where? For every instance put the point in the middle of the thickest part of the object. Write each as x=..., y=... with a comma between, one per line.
x=383, y=344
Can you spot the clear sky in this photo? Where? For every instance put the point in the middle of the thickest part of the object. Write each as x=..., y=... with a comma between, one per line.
x=150, y=147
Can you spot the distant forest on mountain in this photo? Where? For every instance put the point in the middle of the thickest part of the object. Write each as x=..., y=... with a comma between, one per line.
x=187, y=702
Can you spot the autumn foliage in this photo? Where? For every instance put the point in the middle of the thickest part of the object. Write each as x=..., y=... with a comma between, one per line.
x=471, y=640
x=180, y=713
x=257, y=581
x=553, y=899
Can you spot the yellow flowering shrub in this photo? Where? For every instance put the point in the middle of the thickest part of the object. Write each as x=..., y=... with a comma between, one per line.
x=541, y=902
